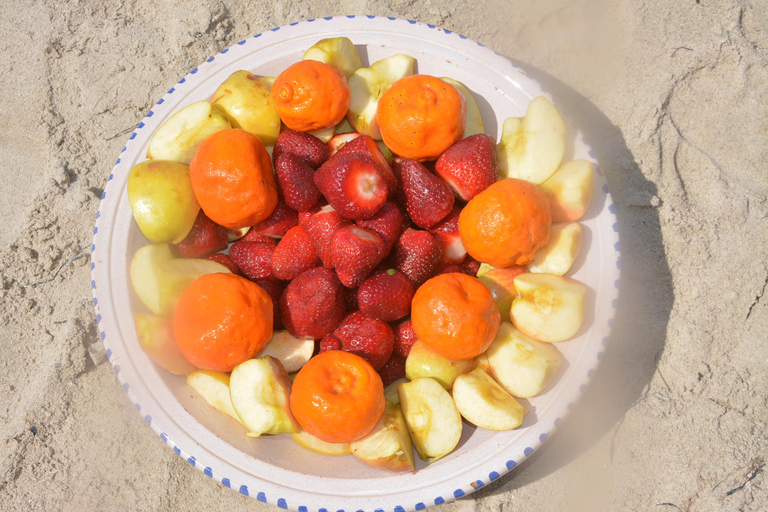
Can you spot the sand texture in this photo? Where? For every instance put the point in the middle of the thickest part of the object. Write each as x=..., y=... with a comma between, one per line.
x=673, y=96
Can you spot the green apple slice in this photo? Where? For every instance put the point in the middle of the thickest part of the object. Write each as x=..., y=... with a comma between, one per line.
x=317, y=445
x=177, y=275
x=548, y=308
x=388, y=446
x=178, y=138
x=213, y=386
x=338, y=52
x=432, y=418
x=570, y=190
x=484, y=403
x=146, y=271
x=473, y=123
x=292, y=352
x=422, y=361
x=155, y=336
x=247, y=101
x=561, y=250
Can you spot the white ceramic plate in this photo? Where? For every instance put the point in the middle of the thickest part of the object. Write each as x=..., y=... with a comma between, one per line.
x=276, y=470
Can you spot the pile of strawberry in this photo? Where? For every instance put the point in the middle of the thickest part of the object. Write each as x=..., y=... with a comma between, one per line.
x=352, y=238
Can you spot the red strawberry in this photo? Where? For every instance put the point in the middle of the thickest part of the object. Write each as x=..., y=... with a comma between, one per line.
x=339, y=141
x=449, y=268
x=294, y=179
x=254, y=259
x=366, y=144
x=470, y=266
x=254, y=236
x=417, y=254
x=305, y=146
x=355, y=252
x=353, y=184
x=350, y=298
x=447, y=232
x=294, y=254
x=224, y=260
x=330, y=342
x=394, y=369
x=386, y=296
x=469, y=166
x=275, y=289
x=313, y=303
x=404, y=338
x=205, y=237
x=367, y=337
x=279, y=221
x=427, y=198
x=304, y=216
x=321, y=227
x=387, y=222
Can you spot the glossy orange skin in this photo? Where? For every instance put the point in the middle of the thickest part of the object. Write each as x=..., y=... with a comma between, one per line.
x=222, y=320
x=232, y=179
x=455, y=315
x=337, y=397
x=421, y=116
x=310, y=95
x=506, y=223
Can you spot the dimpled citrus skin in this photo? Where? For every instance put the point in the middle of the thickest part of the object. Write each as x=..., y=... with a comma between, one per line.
x=232, y=179
x=506, y=223
x=222, y=320
x=421, y=116
x=337, y=396
x=310, y=95
x=455, y=315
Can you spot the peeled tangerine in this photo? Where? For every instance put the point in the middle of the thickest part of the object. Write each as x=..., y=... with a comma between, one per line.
x=561, y=251
x=483, y=402
x=247, y=102
x=548, y=308
x=432, y=418
x=213, y=386
x=388, y=446
x=178, y=138
x=155, y=336
x=422, y=361
x=570, y=190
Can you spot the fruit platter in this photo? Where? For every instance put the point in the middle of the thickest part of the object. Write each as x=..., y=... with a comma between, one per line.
x=355, y=263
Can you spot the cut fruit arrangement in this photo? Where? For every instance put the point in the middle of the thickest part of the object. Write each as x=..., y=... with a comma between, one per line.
x=342, y=254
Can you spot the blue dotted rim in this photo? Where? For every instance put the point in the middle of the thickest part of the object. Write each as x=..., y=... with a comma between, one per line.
x=282, y=502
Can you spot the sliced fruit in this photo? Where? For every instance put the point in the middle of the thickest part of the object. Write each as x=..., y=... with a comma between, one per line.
x=146, y=270
x=469, y=166
x=532, y=147
x=422, y=361
x=388, y=446
x=548, y=308
x=247, y=102
x=324, y=134
x=317, y=445
x=390, y=392
x=177, y=139
x=178, y=274
x=338, y=52
x=500, y=281
x=432, y=418
x=260, y=391
x=213, y=386
x=237, y=234
x=484, y=269
x=341, y=140
x=561, y=251
x=155, y=336
x=354, y=184
x=344, y=127
x=484, y=403
x=482, y=362
x=473, y=122
x=570, y=190
x=292, y=352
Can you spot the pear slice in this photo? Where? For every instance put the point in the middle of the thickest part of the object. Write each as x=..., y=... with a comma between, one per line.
x=484, y=403
x=213, y=386
x=146, y=270
x=368, y=85
x=178, y=138
x=422, y=361
x=522, y=365
x=260, y=390
x=561, y=250
x=338, y=52
x=432, y=418
x=178, y=274
x=570, y=190
x=473, y=122
x=531, y=148
x=317, y=445
x=155, y=336
x=548, y=308
x=292, y=352
x=247, y=101
x=388, y=446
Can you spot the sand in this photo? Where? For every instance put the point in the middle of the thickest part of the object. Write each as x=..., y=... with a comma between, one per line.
x=672, y=95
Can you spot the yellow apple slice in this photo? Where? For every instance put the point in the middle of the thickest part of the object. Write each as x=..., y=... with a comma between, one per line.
x=237, y=234
x=501, y=283
x=155, y=336
x=484, y=269
x=344, y=127
x=422, y=361
x=548, y=308
x=484, y=403
x=390, y=392
x=292, y=352
x=317, y=445
x=178, y=138
x=177, y=274
x=473, y=123
x=520, y=364
x=325, y=134
x=338, y=52
x=388, y=446
x=247, y=102
x=213, y=386
x=561, y=250
x=531, y=148
x=146, y=270
x=432, y=418
x=367, y=85
x=482, y=362
x=570, y=190
x=260, y=390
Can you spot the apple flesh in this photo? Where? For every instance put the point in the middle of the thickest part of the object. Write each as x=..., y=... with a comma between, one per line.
x=432, y=418
x=213, y=386
x=178, y=274
x=338, y=52
x=178, y=138
x=473, y=121
x=570, y=190
x=561, y=250
x=520, y=364
x=155, y=336
x=390, y=392
x=422, y=361
x=548, y=308
x=247, y=102
x=483, y=402
x=532, y=148
x=237, y=234
x=388, y=446
x=501, y=283
x=292, y=352
x=317, y=445
x=162, y=201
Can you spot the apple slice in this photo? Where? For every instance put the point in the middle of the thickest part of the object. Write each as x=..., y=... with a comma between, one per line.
x=561, y=251
x=338, y=52
x=570, y=190
x=484, y=403
x=482, y=362
x=344, y=127
x=155, y=336
x=388, y=446
x=531, y=148
x=178, y=138
x=500, y=281
x=484, y=269
x=390, y=392
x=317, y=445
x=247, y=102
x=237, y=234
x=213, y=386
x=422, y=361
x=432, y=418
x=367, y=85
x=260, y=391
x=146, y=275
x=548, y=308
x=176, y=275
x=292, y=352
x=522, y=365
x=324, y=134
x=473, y=122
